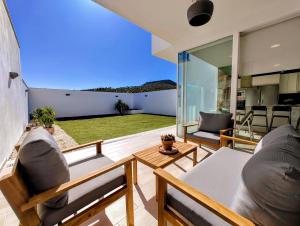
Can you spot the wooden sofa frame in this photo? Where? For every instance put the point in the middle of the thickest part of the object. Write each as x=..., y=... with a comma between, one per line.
x=200, y=141
x=24, y=205
x=167, y=214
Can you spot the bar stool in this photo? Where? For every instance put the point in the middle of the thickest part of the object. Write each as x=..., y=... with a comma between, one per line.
x=240, y=113
x=298, y=122
x=261, y=112
x=281, y=109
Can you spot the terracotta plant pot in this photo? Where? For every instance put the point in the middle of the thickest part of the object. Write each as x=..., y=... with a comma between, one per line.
x=167, y=145
x=50, y=130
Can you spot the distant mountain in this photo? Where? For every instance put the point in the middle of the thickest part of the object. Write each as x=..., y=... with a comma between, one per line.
x=146, y=87
x=161, y=82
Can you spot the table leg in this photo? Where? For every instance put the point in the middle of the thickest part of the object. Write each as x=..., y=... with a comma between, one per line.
x=156, y=186
x=194, y=158
x=135, y=171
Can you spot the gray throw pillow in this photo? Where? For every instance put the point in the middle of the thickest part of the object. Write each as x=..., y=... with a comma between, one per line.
x=44, y=165
x=214, y=122
x=275, y=136
x=269, y=193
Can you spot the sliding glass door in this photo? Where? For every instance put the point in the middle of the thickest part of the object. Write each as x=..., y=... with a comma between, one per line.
x=204, y=78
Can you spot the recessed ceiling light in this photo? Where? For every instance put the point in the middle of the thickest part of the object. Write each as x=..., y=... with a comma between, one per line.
x=276, y=65
x=275, y=45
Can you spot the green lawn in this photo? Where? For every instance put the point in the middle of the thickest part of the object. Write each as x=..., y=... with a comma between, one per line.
x=87, y=130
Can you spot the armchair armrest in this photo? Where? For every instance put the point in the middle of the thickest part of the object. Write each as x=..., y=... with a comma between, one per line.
x=225, y=139
x=210, y=204
x=223, y=131
x=191, y=124
x=97, y=143
x=53, y=192
x=185, y=127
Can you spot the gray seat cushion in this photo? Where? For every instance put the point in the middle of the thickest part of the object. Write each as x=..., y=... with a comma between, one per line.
x=205, y=136
x=44, y=165
x=214, y=122
x=217, y=177
x=86, y=193
x=270, y=189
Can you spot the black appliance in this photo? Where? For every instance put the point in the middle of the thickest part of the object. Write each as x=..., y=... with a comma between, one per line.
x=289, y=98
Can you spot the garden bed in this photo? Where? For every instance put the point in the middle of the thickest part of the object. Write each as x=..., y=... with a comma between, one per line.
x=135, y=111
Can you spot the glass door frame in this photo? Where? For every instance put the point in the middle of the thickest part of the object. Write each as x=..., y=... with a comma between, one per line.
x=181, y=91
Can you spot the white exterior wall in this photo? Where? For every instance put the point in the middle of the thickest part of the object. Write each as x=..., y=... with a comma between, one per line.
x=13, y=98
x=163, y=49
x=79, y=103
x=158, y=102
x=83, y=103
x=158, y=44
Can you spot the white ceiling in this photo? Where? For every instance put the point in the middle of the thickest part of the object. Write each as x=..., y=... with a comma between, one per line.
x=219, y=54
x=167, y=18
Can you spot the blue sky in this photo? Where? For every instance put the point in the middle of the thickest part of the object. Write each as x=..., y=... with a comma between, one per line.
x=77, y=44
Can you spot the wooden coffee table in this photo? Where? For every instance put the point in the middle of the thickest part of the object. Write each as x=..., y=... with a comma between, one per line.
x=154, y=159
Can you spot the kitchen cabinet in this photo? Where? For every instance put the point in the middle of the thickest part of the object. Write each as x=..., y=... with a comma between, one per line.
x=283, y=86
x=246, y=82
x=289, y=83
x=293, y=83
x=266, y=80
x=298, y=82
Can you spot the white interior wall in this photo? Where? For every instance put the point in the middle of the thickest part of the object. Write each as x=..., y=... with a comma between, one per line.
x=13, y=98
x=83, y=103
x=258, y=57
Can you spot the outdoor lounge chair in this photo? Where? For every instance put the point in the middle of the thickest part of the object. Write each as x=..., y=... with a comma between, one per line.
x=210, y=128
x=237, y=188
x=95, y=182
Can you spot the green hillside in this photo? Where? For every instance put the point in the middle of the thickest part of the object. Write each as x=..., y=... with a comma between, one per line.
x=146, y=87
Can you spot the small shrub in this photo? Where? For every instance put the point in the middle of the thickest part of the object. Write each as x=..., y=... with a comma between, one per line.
x=44, y=116
x=37, y=114
x=121, y=107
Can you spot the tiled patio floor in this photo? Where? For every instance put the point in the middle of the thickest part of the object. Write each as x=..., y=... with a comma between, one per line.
x=144, y=199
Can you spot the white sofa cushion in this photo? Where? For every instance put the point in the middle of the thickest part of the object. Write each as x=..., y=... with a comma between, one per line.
x=218, y=177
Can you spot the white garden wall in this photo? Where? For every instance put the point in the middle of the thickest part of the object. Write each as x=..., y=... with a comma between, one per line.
x=78, y=103
x=158, y=102
x=13, y=95
x=70, y=103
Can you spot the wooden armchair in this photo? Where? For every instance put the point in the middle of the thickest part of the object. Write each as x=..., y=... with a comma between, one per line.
x=177, y=213
x=25, y=205
x=204, y=138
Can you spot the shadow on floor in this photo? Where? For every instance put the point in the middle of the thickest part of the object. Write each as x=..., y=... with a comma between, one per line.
x=99, y=219
x=150, y=205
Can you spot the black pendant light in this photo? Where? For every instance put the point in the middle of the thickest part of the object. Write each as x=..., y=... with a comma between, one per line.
x=200, y=12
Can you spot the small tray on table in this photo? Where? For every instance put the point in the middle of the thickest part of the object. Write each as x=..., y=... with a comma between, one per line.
x=172, y=151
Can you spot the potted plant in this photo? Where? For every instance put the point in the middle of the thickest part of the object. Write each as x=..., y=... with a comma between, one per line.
x=121, y=107
x=167, y=141
x=37, y=114
x=44, y=117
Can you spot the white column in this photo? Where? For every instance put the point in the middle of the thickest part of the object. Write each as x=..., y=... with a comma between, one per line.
x=235, y=72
